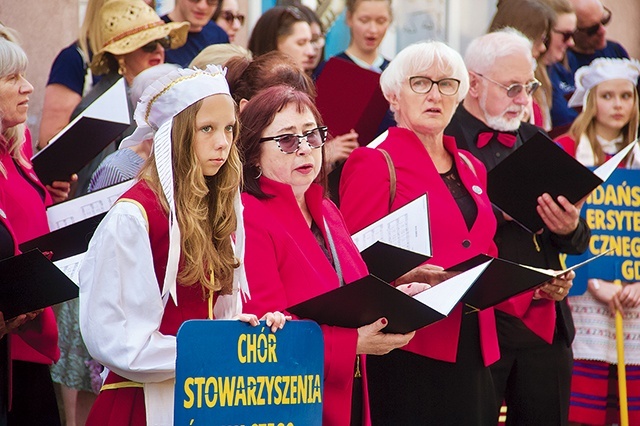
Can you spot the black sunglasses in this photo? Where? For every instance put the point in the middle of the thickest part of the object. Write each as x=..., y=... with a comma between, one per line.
x=153, y=45
x=290, y=143
x=590, y=31
x=566, y=35
x=230, y=17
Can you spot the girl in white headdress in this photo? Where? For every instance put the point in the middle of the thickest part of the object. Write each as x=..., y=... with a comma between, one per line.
x=164, y=253
x=606, y=91
x=608, y=122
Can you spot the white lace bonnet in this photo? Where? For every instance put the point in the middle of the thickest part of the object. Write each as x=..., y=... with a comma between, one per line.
x=599, y=70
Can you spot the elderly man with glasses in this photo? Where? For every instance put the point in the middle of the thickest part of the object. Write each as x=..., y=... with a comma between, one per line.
x=590, y=38
x=202, y=32
x=535, y=329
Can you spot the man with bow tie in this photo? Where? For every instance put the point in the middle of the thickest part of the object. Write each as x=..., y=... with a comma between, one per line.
x=535, y=329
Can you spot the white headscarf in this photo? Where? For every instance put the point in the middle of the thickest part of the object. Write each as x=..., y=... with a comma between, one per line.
x=159, y=104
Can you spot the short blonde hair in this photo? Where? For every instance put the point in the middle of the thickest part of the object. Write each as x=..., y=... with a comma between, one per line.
x=219, y=54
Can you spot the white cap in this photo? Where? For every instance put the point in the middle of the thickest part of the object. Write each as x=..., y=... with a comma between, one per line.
x=600, y=70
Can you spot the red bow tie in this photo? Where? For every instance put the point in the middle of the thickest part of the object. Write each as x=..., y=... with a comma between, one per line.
x=506, y=139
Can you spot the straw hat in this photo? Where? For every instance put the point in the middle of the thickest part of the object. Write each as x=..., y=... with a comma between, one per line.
x=127, y=25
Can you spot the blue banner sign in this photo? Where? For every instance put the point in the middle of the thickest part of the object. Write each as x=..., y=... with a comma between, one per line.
x=229, y=373
x=612, y=211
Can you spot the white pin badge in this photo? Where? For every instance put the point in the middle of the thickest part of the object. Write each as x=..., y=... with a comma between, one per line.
x=477, y=189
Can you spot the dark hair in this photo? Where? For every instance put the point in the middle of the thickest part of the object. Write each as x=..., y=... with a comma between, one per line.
x=246, y=78
x=218, y=11
x=273, y=24
x=257, y=116
x=532, y=18
x=306, y=11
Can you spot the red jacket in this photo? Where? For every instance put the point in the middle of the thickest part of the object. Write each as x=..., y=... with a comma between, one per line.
x=285, y=265
x=364, y=198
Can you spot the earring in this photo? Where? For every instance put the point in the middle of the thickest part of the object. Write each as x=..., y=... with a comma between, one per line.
x=122, y=68
x=260, y=172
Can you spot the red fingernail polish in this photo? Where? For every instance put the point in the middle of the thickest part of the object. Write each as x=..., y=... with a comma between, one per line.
x=384, y=321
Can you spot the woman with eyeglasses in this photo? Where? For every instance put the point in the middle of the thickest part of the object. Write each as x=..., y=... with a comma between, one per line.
x=298, y=246
x=441, y=377
x=229, y=18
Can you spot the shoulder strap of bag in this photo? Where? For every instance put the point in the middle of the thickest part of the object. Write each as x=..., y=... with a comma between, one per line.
x=392, y=176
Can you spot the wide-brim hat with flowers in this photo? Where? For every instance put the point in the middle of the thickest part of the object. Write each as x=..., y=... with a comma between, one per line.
x=127, y=25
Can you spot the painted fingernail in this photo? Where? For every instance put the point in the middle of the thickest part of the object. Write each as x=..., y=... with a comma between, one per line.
x=384, y=321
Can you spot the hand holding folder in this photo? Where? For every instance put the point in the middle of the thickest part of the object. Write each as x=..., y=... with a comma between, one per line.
x=540, y=166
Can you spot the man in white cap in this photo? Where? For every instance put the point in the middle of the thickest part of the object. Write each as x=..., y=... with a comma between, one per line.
x=535, y=329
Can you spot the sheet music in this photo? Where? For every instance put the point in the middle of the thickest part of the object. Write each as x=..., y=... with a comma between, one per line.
x=92, y=204
x=444, y=296
x=407, y=227
x=70, y=266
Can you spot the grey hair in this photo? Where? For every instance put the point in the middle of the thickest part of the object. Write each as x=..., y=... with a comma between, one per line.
x=418, y=58
x=13, y=60
x=483, y=51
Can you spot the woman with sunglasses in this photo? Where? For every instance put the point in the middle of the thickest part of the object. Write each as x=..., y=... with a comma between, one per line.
x=560, y=39
x=229, y=18
x=441, y=377
x=297, y=244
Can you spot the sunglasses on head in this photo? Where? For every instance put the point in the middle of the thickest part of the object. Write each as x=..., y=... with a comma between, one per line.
x=592, y=30
x=290, y=143
x=153, y=45
x=566, y=35
x=230, y=17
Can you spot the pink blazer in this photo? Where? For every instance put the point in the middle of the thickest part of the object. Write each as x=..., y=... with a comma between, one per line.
x=364, y=198
x=285, y=265
x=24, y=215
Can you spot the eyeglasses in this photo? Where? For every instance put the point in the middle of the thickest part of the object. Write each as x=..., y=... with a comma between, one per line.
x=318, y=42
x=516, y=88
x=290, y=143
x=228, y=16
x=590, y=31
x=566, y=35
x=153, y=45
x=423, y=85
x=209, y=2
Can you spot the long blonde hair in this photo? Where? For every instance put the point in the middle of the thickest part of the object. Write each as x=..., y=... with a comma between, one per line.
x=90, y=37
x=13, y=60
x=585, y=124
x=204, y=207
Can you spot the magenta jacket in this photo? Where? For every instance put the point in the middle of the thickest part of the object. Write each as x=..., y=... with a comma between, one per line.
x=23, y=212
x=285, y=265
x=364, y=198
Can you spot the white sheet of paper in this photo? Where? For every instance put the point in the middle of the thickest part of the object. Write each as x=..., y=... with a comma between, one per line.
x=111, y=106
x=605, y=170
x=92, y=204
x=407, y=227
x=556, y=274
x=444, y=296
x=378, y=140
x=70, y=266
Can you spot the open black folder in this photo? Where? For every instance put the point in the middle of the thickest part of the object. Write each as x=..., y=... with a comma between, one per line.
x=368, y=299
x=85, y=137
x=31, y=282
x=500, y=279
x=68, y=241
x=541, y=166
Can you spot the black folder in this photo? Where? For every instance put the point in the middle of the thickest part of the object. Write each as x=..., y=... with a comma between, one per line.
x=68, y=241
x=365, y=301
x=538, y=166
x=503, y=279
x=85, y=137
x=31, y=282
x=388, y=262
